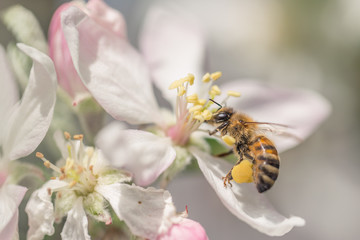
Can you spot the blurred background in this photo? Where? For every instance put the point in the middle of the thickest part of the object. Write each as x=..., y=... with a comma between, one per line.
x=307, y=44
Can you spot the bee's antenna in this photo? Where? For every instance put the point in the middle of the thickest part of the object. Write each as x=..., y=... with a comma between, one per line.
x=216, y=103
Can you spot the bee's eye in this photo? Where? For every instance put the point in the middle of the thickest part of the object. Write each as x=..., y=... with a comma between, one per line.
x=221, y=117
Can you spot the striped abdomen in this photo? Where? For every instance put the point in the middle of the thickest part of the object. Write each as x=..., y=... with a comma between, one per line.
x=266, y=163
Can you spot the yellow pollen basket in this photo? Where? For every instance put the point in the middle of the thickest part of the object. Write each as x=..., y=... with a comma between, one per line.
x=242, y=173
x=229, y=140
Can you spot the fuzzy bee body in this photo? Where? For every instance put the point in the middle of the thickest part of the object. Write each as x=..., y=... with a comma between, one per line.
x=249, y=144
x=266, y=163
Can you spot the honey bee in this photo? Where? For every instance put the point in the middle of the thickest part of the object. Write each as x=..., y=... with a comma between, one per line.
x=250, y=144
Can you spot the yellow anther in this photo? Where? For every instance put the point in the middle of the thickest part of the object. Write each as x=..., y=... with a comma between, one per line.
x=196, y=108
x=62, y=177
x=181, y=91
x=52, y=178
x=67, y=135
x=215, y=90
x=62, y=170
x=233, y=94
x=175, y=84
x=191, y=78
x=242, y=173
x=216, y=75
x=39, y=155
x=229, y=140
x=91, y=168
x=206, y=114
x=206, y=78
x=201, y=102
x=78, y=137
x=192, y=98
x=72, y=183
x=47, y=164
x=199, y=117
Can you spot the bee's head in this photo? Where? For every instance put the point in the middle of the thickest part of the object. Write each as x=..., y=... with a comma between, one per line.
x=222, y=115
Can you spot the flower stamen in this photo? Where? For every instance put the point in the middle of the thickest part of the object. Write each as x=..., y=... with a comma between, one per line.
x=47, y=163
x=190, y=117
x=216, y=75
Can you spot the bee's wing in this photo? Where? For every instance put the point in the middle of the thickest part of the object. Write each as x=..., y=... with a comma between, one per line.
x=277, y=130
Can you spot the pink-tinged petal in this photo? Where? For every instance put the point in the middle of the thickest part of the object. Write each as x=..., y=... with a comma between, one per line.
x=60, y=54
x=40, y=211
x=147, y=212
x=111, y=69
x=187, y=229
x=30, y=119
x=243, y=200
x=302, y=110
x=10, y=231
x=76, y=225
x=142, y=153
x=173, y=46
x=3, y=176
x=10, y=198
x=107, y=17
x=9, y=94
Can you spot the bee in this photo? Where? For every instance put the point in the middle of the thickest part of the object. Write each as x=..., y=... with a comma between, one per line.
x=250, y=144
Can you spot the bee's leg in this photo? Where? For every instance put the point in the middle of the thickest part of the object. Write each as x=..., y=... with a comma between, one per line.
x=228, y=178
x=225, y=153
x=249, y=157
x=218, y=128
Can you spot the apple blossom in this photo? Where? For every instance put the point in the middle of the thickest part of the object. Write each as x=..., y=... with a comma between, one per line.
x=118, y=77
x=85, y=185
x=186, y=230
x=58, y=49
x=23, y=126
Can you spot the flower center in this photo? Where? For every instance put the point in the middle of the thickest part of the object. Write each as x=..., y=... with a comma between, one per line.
x=191, y=111
x=78, y=170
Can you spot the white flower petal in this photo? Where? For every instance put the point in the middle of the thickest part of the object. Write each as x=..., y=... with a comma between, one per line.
x=9, y=94
x=243, y=200
x=10, y=198
x=112, y=70
x=173, y=45
x=30, y=119
x=76, y=225
x=10, y=232
x=40, y=211
x=142, y=153
x=107, y=17
x=61, y=143
x=147, y=212
x=302, y=110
